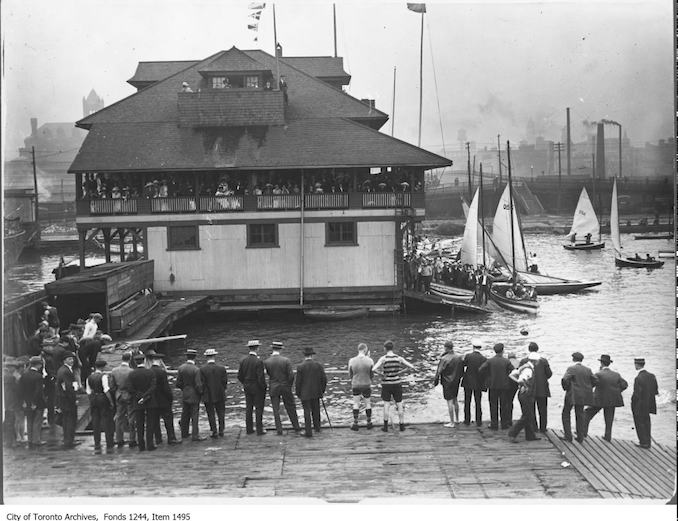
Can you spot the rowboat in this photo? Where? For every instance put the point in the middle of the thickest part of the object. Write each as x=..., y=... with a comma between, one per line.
x=584, y=224
x=503, y=294
x=335, y=313
x=452, y=293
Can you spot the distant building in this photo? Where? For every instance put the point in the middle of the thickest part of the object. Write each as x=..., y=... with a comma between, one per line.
x=253, y=188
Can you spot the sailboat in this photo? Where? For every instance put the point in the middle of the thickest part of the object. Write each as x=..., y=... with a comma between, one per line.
x=584, y=225
x=619, y=261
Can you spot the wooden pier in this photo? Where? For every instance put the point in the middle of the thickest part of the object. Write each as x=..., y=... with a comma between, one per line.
x=339, y=465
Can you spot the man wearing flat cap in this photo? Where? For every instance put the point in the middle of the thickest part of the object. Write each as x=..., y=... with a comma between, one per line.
x=495, y=371
x=472, y=383
x=643, y=402
x=281, y=377
x=189, y=380
x=448, y=374
x=214, y=380
x=606, y=396
x=578, y=383
x=141, y=382
x=101, y=405
x=310, y=386
x=251, y=376
x=66, y=400
x=32, y=396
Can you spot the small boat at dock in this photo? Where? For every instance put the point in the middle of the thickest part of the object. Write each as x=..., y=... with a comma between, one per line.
x=503, y=294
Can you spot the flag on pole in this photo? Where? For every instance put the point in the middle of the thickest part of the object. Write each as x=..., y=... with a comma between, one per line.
x=256, y=5
x=256, y=9
x=417, y=8
x=256, y=15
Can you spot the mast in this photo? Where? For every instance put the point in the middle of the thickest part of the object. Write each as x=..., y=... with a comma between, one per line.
x=334, y=16
x=482, y=211
x=569, y=144
x=421, y=74
x=513, y=246
x=468, y=165
x=499, y=156
x=35, y=187
x=393, y=107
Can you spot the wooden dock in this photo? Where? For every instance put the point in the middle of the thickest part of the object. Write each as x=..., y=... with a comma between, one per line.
x=166, y=313
x=339, y=465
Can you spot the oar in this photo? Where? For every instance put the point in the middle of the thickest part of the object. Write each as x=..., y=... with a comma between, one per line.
x=147, y=340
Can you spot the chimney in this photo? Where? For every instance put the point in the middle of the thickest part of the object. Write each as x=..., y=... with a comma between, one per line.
x=278, y=51
x=34, y=126
x=600, y=152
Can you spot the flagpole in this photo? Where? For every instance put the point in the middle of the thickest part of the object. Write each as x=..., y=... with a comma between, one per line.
x=334, y=16
x=393, y=109
x=421, y=77
x=275, y=49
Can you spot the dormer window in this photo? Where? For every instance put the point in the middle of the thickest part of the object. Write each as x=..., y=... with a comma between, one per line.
x=221, y=82
x=252, y=82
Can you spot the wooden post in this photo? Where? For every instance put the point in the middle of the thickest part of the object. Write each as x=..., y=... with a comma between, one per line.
x=122, y=233
x=107, y=243
x=81, y=248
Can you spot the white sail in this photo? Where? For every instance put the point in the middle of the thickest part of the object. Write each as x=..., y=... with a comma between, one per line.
x=585, y=220
x=464, y=207
x=469, y=244
x=614, y=221
x=501, y=234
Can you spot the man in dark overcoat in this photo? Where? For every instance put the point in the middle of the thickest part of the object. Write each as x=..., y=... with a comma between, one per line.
x=606, y=396
x=214, y=379
x=141, y=384
x=251, y=376
x=472, y=382
x=189, y=381
x=101, y=405
x=542, y=392
x=448, y=374
x=281, y=377
x=578, y=383
x=495, y=371
x=32, y=397
x=163, y=400
x=311, y=382
x=643, y=402
x=66, y=399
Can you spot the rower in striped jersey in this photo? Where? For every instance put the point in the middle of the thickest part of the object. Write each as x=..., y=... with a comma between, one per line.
x=391, y=367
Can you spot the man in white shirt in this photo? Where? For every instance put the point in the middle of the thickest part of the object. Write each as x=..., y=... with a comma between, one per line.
x=360, y=371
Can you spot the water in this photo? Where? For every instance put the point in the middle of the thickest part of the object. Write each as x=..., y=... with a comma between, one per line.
x=632, y=313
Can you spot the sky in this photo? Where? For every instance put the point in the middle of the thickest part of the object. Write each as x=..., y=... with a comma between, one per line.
x=488, y=68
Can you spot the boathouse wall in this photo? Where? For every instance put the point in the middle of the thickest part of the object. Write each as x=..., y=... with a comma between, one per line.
x=224, y=262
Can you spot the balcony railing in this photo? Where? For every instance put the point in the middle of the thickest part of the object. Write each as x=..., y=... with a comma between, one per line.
x=251, y=203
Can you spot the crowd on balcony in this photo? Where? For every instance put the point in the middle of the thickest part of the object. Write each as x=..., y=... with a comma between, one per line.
x=122, y=186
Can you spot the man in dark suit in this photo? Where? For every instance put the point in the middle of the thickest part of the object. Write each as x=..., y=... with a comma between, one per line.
x=578, y=383
x=101, y=405
x=449, y=371
x=66, y=402
x=189, y=381
x=542, y=373
x=310, y=387
x=214, y=392
x=472, y=383
x=281, y=377
x=141, y=384
x=607, y=395
x=251, y=376
x=163, y=400
x=32, y=397
x=643, y=402
x=495, y=371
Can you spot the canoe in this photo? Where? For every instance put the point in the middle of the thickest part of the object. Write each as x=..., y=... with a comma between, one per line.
x=584, y=246
x=630, y=262
x=335, y=313
x=498, y=295
x=667, y=236
x=452, y=293
x=546, y=285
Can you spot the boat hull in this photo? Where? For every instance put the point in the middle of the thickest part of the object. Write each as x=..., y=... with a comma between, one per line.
x=667, y=236
x=13, y=245
x=335, y=314
x=633, y=263
x=519, y=306
x=584, y=246
x=666, y=254
x=545, y=285
x=452, y=293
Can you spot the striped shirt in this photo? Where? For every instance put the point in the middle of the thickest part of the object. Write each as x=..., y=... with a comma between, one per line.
x=391, y=365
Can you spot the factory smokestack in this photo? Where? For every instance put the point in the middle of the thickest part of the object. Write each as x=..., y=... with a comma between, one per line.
x=600, y=152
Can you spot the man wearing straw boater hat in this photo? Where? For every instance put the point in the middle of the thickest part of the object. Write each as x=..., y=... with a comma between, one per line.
x=472, y=383
x=189, y=380
x=214, y=380
x=281, y=377
x=643, y=402
x=606, y=396
x=310, y=388
x=251, y=376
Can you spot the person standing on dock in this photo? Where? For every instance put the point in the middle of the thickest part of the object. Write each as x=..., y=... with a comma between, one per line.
x=643, y=402
x=214, y=380
x=607, y=396
x=281, y=377
x=524, y=377
x=360, y=372
x=472, y=383
x=163, y=400
x=542, y=373
x=92, y=325
x=251, y=376
x=124, y=417
x=189, y=380
x=31, y=391
x=448, y=374
x=89, y=352
x=142, y=388
x=101, y=405
x=310, y=386
x=391, y=367
x=66, y=400
x=496, y=371
x=51, y=315
x=578, y=382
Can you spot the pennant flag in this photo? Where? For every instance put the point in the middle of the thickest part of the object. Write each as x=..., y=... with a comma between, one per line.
x=253, y=27
x=256, y=6
x=256, y=15
x=417, y=8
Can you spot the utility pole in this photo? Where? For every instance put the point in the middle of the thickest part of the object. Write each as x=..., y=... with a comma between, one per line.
x=334, y=16
x=468, y=164
x=559, y=148
x=499, y=154
x=35, y=188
